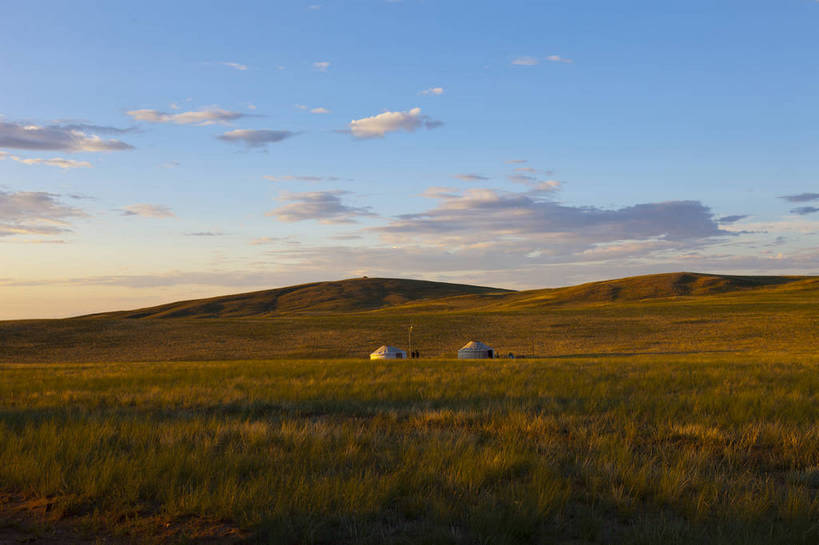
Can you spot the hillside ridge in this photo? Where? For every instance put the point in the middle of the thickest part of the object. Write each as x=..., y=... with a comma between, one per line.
x=350, y=295
x=386, y=294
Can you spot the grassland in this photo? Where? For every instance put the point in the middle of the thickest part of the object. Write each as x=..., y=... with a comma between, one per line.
x=617, y=449
x=664, y=409
x=630, y=316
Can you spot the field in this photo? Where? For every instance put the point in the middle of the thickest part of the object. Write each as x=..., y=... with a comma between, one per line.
x=630, y=449
x=655, y=410
x=641, y=315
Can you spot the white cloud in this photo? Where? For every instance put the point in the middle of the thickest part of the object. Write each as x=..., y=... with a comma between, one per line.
x=255, y=138
x=558, y=58
x=58, y=162
x=321, y=66
x=379, y=125
x=525, y=61
x=199, y=117
x=147, y=211
x=432, y=91
x=320, y=110
x=67, y=138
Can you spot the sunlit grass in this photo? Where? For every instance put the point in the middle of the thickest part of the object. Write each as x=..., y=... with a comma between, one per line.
x=630, y=449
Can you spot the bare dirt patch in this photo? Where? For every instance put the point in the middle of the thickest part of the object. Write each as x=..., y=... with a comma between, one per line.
x=36, y=521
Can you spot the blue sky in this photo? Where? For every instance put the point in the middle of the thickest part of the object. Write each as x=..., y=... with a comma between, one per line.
x=155, y=151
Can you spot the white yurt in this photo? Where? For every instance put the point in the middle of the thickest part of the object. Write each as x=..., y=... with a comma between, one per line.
x=387, y=352
x=475, y=350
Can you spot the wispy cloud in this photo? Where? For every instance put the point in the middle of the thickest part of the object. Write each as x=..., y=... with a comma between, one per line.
x=289, y=178
x=804, y=210
x=532, y=61
x=525, y=61
x=379, y=125
x=95, y=129
x=432, y=91
x=534, y=182
x=207, y=116
x=234, y=65
x=256, y=138
x=205, y=234
x=319, y=110
x=321, y=66
x=54, y=138
x=321, y=206
x=34, y=213
x=801, y=197
x=725, y=220
x=515, y=161
x=147, y=211
x=275, y=240
x=58, y=162
x=470, y=177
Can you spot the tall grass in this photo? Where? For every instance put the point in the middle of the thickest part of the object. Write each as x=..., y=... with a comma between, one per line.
x=660, y=449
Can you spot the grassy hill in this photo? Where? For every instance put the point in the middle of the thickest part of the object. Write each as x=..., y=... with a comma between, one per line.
x=369, y=294
x=658, y=314
x=352, y=295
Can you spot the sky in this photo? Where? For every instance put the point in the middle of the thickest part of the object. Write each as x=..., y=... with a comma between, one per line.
x=159, y=151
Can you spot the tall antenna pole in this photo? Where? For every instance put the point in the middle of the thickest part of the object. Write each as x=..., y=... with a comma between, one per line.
x=410, y=340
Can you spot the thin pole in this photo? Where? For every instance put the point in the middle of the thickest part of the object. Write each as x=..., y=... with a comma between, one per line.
x=410, y=340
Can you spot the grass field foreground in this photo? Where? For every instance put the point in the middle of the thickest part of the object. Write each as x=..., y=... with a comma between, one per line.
x=649, y=449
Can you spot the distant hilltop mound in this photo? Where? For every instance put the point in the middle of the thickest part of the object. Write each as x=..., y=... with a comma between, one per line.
x=652, y=286
x=353, y=295
x=393, y=294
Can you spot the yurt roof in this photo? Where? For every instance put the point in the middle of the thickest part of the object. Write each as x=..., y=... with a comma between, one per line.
x=386, y=349
x=475, y=346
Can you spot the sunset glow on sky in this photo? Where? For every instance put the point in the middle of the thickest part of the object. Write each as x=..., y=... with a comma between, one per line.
x=157, y=151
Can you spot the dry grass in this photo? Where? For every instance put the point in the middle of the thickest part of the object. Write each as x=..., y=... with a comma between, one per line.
x=637, y=449
x=782, y=318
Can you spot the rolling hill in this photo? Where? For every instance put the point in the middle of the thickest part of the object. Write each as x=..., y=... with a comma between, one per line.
x=387, y=294
x=352, y=295
x=679, y=313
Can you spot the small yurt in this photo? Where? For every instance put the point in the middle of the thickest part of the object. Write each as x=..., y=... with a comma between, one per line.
x=387, y=352
x=475, y=350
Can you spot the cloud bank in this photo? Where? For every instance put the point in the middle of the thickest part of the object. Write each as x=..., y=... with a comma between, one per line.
x=531, y=224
